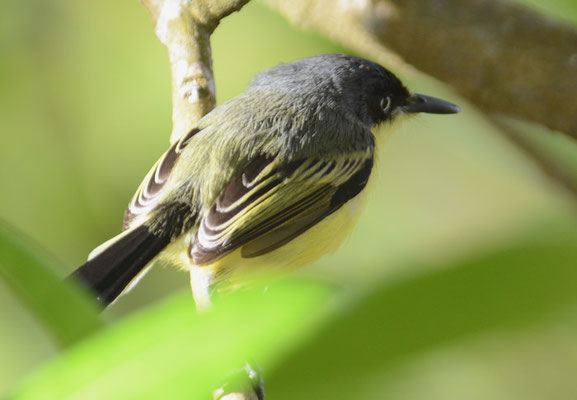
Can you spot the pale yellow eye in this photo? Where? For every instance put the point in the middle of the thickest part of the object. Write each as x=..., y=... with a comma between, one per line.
x=386, y=104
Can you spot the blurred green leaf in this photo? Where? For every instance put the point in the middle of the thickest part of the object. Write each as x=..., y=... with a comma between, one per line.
x=66, y=314
x=562, y=9
x=169, y=352
x=379, y=332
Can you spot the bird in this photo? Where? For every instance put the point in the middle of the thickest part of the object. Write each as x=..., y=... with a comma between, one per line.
x=272, y=179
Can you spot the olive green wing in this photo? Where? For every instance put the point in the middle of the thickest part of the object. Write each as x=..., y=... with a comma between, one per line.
x=271, y=202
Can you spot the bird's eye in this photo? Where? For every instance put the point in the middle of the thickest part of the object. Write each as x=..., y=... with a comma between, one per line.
x=386, y=103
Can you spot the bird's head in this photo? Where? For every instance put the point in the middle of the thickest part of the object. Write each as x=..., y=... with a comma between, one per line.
x=352, y=85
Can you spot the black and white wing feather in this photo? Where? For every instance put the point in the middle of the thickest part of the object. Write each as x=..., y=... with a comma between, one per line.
x=152, y=187
x=271, y=203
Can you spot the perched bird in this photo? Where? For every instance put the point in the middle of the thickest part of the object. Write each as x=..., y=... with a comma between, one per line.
x=273, y=177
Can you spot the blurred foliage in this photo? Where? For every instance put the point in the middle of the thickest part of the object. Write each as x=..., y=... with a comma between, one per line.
x=565, y=10
x=456, y=283
x=504, y=290
x=65, y=313
x=168, y=352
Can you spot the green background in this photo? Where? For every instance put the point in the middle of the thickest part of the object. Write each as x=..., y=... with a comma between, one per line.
x=85, y=111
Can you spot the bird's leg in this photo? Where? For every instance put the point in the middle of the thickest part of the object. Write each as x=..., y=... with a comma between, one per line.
x=202, y=285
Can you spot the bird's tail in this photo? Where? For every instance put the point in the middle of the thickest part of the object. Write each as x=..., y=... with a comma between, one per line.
x=119, y=261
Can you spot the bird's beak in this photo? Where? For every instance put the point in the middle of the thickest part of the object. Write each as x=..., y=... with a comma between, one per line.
x=420, y=103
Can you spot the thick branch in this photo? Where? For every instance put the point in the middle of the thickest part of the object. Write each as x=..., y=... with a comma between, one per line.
x=502, y=57
x=184, y=27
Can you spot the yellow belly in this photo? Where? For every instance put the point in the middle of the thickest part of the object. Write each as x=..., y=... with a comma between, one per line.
x=324, y=237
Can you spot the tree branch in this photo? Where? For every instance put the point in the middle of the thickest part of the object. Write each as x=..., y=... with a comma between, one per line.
x=184, y=27
x=546, y=162
x=501, y=56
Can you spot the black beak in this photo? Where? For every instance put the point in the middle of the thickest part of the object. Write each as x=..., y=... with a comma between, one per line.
x=427, y=104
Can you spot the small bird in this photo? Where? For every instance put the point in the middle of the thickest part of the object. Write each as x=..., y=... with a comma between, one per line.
x=274, y=177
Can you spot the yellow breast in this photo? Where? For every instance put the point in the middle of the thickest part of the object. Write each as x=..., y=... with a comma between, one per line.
x=324, y=237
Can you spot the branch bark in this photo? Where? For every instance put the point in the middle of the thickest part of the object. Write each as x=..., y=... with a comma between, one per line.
x=184, y=27
x=501, y=56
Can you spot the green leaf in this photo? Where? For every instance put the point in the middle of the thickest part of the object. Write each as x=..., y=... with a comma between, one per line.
x=169, y=352
x=67, y=314
x=378, y=333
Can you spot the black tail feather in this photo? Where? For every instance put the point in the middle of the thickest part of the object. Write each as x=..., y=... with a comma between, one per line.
x=109, y=272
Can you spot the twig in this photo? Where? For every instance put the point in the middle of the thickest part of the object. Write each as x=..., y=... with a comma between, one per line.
x=184, y=27
x=540, y=157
